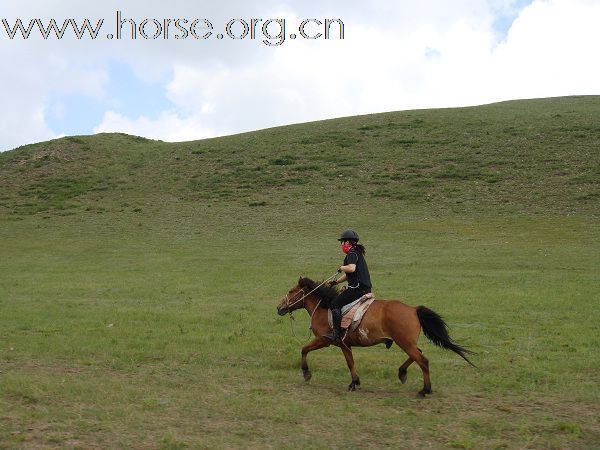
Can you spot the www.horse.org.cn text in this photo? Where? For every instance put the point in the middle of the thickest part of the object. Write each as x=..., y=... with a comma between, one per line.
x=271, y=32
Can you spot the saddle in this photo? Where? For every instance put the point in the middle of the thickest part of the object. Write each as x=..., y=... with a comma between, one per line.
x=352, y=313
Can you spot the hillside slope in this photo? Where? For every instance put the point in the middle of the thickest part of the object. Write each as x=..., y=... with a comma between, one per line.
x=529, y=156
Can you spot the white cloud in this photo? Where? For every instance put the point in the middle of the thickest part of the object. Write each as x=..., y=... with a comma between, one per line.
x=550, y=51
x=25, y=125
x=168, y=127
x=25, y=86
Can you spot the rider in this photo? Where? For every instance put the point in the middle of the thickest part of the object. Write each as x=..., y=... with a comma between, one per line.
x=355, y=271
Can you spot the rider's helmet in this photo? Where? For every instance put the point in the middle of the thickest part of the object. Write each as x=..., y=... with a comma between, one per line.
x=348, y=235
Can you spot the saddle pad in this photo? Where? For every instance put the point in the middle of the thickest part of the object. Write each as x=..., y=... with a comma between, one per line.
x=352, y=313
x=361, y=309
x=351, y=305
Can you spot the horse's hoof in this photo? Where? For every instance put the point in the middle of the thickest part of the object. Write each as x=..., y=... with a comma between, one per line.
x=402, y=375
x=307, y=375
x=423, y=392
x=388, y=343
x=351, y=387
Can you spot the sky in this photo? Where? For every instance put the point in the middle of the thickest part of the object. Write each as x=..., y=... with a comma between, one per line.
x=178, y=82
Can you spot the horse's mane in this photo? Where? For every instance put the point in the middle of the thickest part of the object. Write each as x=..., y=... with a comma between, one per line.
x=326, y=293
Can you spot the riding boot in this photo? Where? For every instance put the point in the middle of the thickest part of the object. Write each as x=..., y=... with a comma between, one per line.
x=336, y=318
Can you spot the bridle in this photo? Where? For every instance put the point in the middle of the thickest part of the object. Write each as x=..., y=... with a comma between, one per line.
x=288, y=305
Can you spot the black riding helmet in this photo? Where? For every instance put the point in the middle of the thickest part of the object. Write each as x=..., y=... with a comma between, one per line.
x=348, y=235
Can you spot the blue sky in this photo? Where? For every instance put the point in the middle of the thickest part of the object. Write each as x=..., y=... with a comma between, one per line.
x=395, y=55
x=504, y=17
x=78, y=113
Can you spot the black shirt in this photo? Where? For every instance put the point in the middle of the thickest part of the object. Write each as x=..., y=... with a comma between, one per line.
x=360, y=277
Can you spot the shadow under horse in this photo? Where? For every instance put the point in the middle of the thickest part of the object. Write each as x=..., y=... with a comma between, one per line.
x=385, y=322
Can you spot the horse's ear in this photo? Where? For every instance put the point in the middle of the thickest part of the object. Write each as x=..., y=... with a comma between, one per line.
x=300, y=281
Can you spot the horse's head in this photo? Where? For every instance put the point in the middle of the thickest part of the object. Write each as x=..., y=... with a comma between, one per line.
x=293, y=300
x=307, y=290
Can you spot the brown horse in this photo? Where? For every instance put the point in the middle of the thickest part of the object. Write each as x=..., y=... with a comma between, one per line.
x=385, y=322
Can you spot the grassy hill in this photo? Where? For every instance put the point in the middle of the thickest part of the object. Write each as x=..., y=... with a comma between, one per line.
x=532, y=157
x=139, y=280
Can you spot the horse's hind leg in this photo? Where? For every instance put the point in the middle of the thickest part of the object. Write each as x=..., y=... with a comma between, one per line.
x=415, y=354
x=402, y=371
x=350, y=361
x=315, y=344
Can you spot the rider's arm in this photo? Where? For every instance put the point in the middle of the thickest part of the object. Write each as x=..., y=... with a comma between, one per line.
x=341, y=279
x=349, y=268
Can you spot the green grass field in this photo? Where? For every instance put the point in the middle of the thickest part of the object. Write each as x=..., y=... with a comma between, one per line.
x=139, y=280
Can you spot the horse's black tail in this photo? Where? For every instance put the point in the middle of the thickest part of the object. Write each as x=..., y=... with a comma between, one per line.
x=436, y=331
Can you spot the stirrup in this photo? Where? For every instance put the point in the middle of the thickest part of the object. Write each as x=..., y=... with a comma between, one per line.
x=333, y=335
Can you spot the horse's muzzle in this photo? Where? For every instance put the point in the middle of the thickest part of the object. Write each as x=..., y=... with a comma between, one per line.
x=282, y=310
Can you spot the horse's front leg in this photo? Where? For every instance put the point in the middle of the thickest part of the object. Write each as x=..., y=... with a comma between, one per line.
x=350, y=361
x=315, y=344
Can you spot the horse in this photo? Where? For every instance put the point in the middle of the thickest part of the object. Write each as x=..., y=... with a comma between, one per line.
x=385, y=322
